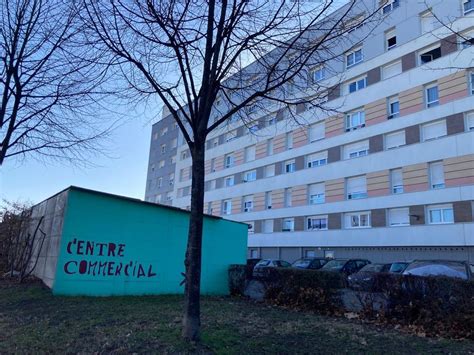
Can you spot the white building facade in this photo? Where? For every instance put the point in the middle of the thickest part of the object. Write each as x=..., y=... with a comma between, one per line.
x=389, y=177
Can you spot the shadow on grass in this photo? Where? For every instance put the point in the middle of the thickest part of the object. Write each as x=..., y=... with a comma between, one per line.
x=32, y=320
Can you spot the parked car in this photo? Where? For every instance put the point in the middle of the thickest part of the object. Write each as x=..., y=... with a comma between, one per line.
x=448, y=268
x=346, y=266
x=363, y=279
x=310, y=263
x=398, y=267
x=262, y=265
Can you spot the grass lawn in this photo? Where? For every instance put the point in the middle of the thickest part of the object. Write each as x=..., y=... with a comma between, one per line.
x=32, y=321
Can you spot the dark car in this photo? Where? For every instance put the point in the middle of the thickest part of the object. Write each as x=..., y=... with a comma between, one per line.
x=310, y=263
x=346, y=266
x=364, y=278
x=447, y=268
x=262, y=265
x=398, y=267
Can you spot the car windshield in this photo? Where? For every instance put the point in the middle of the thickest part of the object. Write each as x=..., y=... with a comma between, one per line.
x=437, y=268
x=302, y=263
x=372, y=268
x=334, y=265
x=282, y=263
x=263, y=263
x=398, y=267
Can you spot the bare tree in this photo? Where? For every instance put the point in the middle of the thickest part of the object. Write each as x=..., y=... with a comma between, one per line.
x=48, y=82
x=193, y=55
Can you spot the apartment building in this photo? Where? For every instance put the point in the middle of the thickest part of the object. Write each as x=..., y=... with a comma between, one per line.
x=388, y=177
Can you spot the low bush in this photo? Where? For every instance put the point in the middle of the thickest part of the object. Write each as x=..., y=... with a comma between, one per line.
x=430, y=305
x=304, y=289
x=237, y=279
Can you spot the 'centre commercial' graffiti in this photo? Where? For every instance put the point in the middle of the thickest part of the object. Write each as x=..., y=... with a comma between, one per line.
x=129, y=268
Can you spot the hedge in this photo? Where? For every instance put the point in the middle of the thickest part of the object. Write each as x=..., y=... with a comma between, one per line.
x=305, y=289
x=237, y=279
x=434, y=305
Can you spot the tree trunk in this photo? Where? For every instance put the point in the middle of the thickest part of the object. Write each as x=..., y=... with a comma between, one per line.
x=191, y=320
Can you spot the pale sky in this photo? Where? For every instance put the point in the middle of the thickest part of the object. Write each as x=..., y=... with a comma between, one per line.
x=123, y=174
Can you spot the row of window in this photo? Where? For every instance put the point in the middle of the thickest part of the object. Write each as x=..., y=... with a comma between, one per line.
x=428, y=132
x=355, y=188
x=396, y=217
x=356, y=120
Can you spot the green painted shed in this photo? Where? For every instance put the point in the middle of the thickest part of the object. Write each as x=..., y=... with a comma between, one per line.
x=98, y=244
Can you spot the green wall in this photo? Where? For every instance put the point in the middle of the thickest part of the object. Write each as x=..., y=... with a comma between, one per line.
x=141, y=234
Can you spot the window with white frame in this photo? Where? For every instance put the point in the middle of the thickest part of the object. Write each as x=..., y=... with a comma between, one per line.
x=174, y=143
x=270, y=170
x=390, y=39
x=160, y=182
x=289, y=140
x=212, y=184
x=317, y=159
x=229, y=160
x=467, y=6
x=430, y=54
x=161, y=164
x=395, y=140
x=317, y=223
x=267, y=226
x=436, y=175
x=251, y=227
x=268, y=200
x=399, y=217
x=288, y=197
x=248, y=203
x=173, y=160
x=355, y=120
x=392, y=69
x=209, y=208
x=356, y=187
x=270, y=121
x=184, y=155
x=431, y=95
x=354, y=57
x=396, y=181
x=290, y=166
x=270, y=146
x=316, y=132
x=230, y=136
x=318, y=74
x=254, y=128
x=229, y=181
x=471, y=81
x=250, y=175
x=470, y=121
x=213, y=165
x=227, y=207
x=316, y=193
x=158, y=198
x=357, y=84
x=357, y=220
x=288, y=225
x=434, y=130
x=250, y=153
x=164, y=130
x=389, y=6
x=440, y=214
x=355, y=150
x=393, y=106
x=171, y=179
x=428, y=22
x=466, y=40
